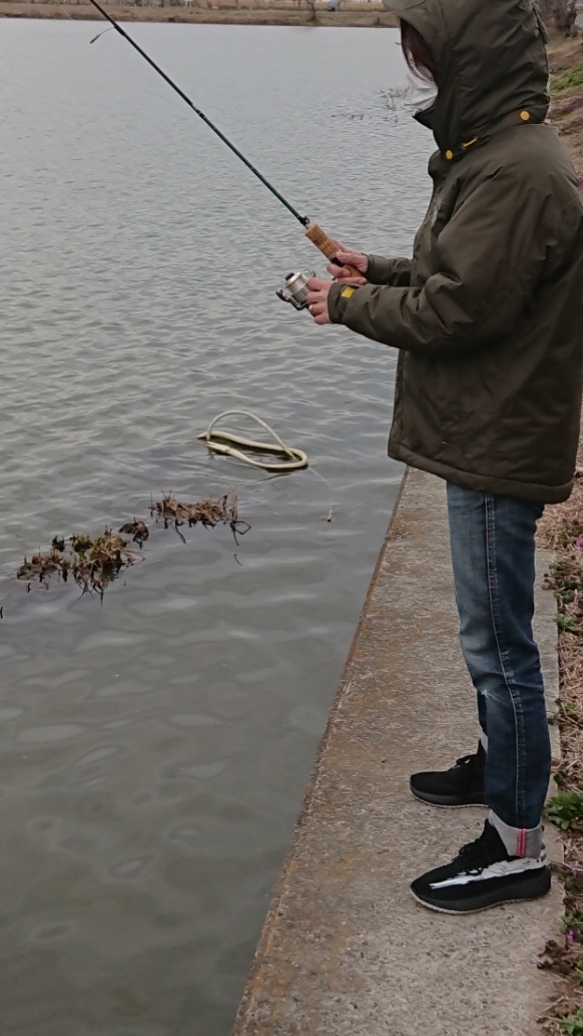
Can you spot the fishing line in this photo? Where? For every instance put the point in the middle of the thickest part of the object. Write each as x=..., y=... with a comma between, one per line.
x=228, y=443
x=66, y=12
x=231, y=445
x=327, y=245
x=302, y=219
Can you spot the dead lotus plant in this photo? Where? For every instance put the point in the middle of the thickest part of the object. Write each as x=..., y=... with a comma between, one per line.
x=93, y=562
x=222, y=511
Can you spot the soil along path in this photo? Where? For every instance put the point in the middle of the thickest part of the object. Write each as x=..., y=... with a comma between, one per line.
x=346, y=951
x=562, y=531
x=566, y=61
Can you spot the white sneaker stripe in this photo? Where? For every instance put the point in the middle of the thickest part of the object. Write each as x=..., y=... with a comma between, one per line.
x=501, y=869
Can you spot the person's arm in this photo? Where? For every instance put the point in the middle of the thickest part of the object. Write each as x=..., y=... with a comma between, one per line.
x=396, y=272
x=487, y=258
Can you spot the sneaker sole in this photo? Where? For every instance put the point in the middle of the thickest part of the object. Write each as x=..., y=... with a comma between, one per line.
x=445, y=801
x=538, y=891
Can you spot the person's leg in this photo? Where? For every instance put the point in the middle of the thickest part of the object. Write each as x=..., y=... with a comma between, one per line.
x=467, y=534
x=492, y=546
x=492, y=541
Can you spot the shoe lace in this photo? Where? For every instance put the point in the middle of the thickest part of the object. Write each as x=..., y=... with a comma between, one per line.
x=481, y=850
x=465, y=760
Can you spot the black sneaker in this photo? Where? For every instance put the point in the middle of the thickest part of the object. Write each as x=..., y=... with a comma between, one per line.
x=483, y=875
x=462, y=785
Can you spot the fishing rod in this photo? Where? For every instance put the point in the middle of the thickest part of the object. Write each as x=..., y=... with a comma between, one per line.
x=295, y=283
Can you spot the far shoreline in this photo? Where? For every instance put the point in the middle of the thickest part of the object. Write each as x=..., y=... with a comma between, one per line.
x=352, y=14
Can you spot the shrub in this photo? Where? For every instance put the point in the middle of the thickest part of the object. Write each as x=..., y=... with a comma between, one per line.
x=566, y=810
x=566, y=80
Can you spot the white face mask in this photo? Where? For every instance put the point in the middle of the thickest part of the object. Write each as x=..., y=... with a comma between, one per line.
x=420, y=94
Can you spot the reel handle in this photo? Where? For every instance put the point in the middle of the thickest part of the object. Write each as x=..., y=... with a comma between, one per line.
x=328, y=246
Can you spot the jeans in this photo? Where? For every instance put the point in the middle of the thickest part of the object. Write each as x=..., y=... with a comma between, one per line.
x=492, y=548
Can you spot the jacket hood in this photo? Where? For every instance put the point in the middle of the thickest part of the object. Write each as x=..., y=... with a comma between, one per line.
x=492, y=62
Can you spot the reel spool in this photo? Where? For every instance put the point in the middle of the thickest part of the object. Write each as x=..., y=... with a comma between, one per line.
x=295, y=290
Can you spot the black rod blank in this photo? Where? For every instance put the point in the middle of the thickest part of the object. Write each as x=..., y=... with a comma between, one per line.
x=302, y=219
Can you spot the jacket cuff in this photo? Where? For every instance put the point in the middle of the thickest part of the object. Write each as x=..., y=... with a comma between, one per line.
x=379, y=269
x=394, y=272
x=338, y=298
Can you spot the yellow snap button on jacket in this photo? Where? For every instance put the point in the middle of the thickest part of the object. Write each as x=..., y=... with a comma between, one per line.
x=525, y=116
x=449, y=155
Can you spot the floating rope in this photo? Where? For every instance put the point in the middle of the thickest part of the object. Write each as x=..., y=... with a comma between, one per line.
x=230, y=445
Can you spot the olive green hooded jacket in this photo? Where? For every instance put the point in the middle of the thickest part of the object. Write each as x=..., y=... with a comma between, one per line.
x=488, y=314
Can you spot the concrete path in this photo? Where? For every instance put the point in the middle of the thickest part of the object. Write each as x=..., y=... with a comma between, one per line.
x=346, y=951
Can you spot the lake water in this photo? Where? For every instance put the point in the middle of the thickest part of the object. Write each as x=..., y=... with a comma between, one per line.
x=155, y=746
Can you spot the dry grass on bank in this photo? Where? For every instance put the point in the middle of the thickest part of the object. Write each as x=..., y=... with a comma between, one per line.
x=566, y=61
x=561, y=529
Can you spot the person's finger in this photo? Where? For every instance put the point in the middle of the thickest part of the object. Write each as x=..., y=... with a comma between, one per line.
x=355, y=259
x=318, y=283
x=348, y=255
x=322, y=318
x=341, y=273
x=317, y=296
x=318, y=306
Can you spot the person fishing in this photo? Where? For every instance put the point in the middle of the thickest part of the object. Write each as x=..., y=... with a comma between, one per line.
x=488, y=320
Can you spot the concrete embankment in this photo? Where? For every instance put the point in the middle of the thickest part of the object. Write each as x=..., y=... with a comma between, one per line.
x=345, y=950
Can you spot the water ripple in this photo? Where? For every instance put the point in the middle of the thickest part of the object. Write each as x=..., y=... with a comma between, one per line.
x=156, y=745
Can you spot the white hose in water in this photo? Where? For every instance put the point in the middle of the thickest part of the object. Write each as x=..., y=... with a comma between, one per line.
x=227, y=444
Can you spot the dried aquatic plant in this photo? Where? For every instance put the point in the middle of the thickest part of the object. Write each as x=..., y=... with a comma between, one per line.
x=137, y=529
x=92, y=562
x=222, y=511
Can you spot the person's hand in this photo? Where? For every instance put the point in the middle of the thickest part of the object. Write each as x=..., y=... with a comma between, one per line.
x=348, y=257
x=318, y=299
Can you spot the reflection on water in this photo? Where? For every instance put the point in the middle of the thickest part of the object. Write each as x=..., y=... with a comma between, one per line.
x=155, y=746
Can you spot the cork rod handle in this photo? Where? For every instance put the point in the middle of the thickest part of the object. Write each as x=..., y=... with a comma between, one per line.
x=328, y=246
